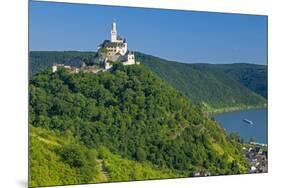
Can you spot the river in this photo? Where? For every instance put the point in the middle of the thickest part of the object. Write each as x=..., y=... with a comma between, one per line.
x=233, y=122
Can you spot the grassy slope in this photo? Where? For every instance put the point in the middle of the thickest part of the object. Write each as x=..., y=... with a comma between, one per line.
x=47, y=167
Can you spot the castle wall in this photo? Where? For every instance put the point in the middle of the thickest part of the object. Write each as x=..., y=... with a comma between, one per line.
x=54, y=68
x=111, y=51
x=130, y=60
x=124, y=49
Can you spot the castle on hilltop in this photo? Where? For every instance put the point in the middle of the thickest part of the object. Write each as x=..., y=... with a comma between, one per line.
x=110, y=51
x=115, y=50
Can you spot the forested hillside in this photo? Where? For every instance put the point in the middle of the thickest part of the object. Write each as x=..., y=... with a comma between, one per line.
x=136, y=117
x=41, y=60
x=252, y=76
x=215, y=87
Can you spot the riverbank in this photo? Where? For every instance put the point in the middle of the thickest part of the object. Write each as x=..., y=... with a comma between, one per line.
x=213, y=111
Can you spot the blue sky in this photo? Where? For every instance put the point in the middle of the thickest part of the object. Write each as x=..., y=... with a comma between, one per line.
x=191, y=37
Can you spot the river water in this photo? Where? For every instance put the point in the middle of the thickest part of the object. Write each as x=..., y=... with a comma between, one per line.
x=233, y=122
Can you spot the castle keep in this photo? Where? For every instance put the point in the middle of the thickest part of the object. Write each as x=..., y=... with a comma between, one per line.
x=115, y=50
x=109, y=52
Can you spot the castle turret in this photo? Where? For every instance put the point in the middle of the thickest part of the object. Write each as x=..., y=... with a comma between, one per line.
x=113, y=33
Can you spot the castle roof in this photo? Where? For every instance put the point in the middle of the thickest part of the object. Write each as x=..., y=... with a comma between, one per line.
x=120, y=38
x=108, y=44
x=76, y=62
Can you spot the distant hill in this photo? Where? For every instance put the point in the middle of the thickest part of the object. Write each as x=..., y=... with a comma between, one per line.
x=41, y=60
x=223, y=87
x=252, y=76
x=213, y=86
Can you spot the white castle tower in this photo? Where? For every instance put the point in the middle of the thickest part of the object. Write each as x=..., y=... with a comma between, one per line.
x=115, y=50
x=113, y=33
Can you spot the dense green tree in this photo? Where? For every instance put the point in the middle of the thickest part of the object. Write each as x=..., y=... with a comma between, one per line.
x=73, y=155
x=134, y=114
x=213, y=87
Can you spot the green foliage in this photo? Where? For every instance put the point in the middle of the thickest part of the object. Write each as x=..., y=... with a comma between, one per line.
x=73, y=155
x=230, y=86
x=135, y=115
x=51, y=163
x=120, y=169
x=236, y=137
x=252, y=76
x=88, y=60
x=41, y=60
x=103, y=50
x=213, y=86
